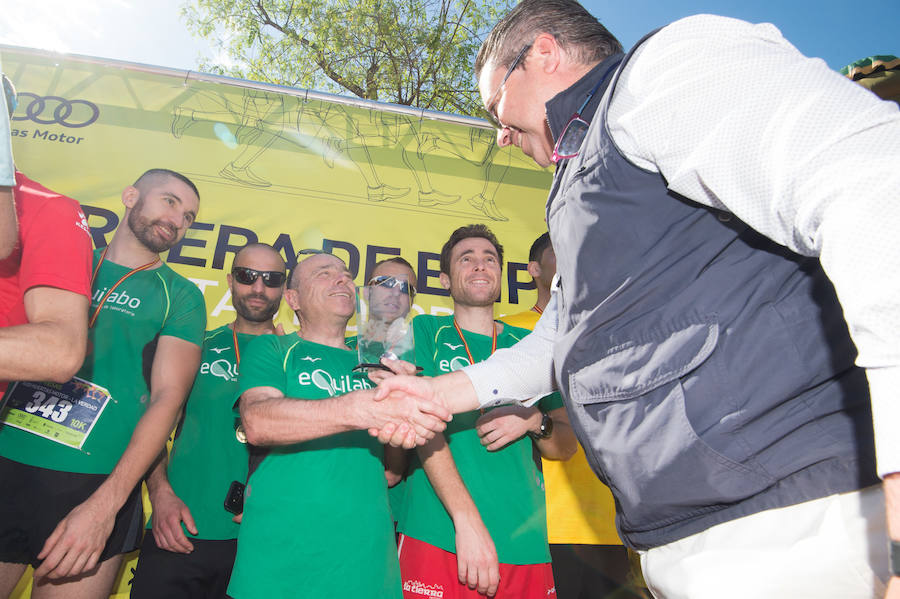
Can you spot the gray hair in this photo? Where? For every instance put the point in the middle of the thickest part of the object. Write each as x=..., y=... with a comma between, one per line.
x=578, y=32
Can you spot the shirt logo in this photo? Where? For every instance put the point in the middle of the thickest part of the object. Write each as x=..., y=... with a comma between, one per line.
x=218, y=350
x=220, y=368
x=331, y=385
x=453, y=347
x=310, y=359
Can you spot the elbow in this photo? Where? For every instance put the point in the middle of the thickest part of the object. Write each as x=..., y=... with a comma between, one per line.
x=253, y=428
x=67, y=363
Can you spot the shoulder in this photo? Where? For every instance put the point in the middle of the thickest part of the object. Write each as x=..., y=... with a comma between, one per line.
x=214, y=335
x=512, y=334
x=180, y=286
x=36, y=203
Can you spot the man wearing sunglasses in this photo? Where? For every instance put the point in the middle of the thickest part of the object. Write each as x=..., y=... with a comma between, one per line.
x=191, y=550
x=698, y=203
x=316, y=519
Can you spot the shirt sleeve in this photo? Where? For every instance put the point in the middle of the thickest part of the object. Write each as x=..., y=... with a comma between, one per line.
x=736, y=118
x=7, y=170
x=262, y=365
x=187, y=319
x=521, y=373
x=56, y=246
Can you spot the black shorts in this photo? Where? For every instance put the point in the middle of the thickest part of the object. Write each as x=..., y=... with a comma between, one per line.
x=202, y=574
x=35, y=500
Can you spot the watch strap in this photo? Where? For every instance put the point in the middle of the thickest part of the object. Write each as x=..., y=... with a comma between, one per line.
x=895, y=558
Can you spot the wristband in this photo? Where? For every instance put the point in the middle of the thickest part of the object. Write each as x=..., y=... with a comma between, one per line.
x=895, y=558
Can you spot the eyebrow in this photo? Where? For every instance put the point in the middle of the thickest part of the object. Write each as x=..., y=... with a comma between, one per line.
x=173, y=195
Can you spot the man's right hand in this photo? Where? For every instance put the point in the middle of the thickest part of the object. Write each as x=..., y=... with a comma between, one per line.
x=476, y=557
x=410, y=419
x=168, y=513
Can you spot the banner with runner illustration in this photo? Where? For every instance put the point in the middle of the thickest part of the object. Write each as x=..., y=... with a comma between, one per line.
x=293, y=168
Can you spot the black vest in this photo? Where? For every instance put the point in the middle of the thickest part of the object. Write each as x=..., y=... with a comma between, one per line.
x=707, y=371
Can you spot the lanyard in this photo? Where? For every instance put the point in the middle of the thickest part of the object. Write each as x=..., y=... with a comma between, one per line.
x=466, y=345
x=537, y=309
x=113, y=288
x=237, y=349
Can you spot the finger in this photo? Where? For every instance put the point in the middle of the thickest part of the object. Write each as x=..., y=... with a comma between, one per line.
x=385, y=434
x=51, y=541
x=279, y=329
x=411, y=440
x=377, y=375
x=180, y=541
x=188, y=520
x=461, y=571
x=46, y=569
x=400, y=366
x=81, y=564
x=434, y=409
x=493, y=579
x=398, y=439
x=64, y=566
x=472, y=577
x=93, y=560
x=238, y=518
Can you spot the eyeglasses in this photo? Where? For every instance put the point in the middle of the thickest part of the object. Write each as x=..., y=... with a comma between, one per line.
x=569, y=143
x=509, y=72
x=390, y=282
x=248, y=276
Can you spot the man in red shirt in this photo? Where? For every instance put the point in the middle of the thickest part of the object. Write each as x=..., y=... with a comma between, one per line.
x=44, y=288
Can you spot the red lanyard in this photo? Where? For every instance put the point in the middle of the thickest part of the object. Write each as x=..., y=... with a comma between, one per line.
x=113, y=288
x=237, y=349
x=466, y=345
x=537, y=309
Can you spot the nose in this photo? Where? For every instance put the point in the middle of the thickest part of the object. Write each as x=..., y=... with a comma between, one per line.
x=258, y=285
x=504, y=137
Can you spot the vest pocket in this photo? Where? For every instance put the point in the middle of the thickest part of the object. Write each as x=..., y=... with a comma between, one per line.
x=629, y=409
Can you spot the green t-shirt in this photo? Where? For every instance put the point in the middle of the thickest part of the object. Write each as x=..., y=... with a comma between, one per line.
x=149, y=303
x=207, y=456
x=506, y=485
x=316, y=517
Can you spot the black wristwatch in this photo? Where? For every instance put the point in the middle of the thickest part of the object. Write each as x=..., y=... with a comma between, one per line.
x=895, y=558
x=546, y=427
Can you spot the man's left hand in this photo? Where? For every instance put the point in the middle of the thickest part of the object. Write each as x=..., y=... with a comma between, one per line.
x=506, y=424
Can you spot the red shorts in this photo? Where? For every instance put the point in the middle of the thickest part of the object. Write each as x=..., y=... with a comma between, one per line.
x=429, y=572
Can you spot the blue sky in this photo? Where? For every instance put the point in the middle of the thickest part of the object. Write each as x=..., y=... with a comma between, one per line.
x=151, y=31
x=840, y=31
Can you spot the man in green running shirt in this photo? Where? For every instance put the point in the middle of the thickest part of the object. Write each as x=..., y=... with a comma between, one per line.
x=73, y=454
x=316, y=520
x=194, y=560
x=474, y=520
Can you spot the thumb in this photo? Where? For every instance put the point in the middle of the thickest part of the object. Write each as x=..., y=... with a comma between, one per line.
x=279, y=329
x=188, y=520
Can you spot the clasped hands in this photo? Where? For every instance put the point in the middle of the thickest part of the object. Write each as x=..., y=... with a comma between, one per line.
x=408, y=411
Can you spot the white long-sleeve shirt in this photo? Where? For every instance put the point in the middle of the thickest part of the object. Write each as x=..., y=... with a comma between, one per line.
x=813, y=162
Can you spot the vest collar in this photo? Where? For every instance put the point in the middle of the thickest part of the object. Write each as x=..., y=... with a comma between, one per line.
x=563, y=105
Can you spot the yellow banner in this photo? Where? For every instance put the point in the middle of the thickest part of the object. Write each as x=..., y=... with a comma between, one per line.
x=296, y=169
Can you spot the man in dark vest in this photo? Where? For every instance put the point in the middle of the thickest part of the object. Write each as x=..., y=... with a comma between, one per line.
x=700, y=215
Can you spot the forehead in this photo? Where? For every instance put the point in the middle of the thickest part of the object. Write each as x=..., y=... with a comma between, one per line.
x=489, y=81
x=473, y=245
x=393, y=269
x=259, y=258
x=169, y=185
x=319, y=263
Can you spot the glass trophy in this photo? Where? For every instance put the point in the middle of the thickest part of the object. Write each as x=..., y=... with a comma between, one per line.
x=384, y=321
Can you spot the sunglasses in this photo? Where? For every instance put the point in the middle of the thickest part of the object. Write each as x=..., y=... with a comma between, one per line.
x=569, y=143
x=390, y=282
x=248, y=276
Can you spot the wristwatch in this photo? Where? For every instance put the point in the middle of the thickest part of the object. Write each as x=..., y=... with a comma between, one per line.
x=895, y=558
x=546, y=427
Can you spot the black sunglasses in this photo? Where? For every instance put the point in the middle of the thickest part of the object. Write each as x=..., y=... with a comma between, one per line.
x=390, y=282
x=248, y=276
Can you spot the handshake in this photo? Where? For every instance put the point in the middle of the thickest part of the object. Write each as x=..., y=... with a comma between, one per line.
x=406, y=410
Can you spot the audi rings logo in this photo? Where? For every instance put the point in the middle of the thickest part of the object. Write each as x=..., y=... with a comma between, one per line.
x=56, y=110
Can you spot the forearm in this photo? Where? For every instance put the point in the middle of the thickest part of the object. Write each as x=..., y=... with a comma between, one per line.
x=561, y=444
x=147, y=441
x=395, y=463
x=157, y=478
x=445, y=479
x=42, y=350
x=284, y=421
x=520, y=373
x=9, y=232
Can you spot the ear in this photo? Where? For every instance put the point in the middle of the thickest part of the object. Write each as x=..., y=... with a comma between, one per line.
x=533, y=268
x=291, y=298
x=548, y=54
x=130, y=196
x=230, y=280
x=445, y=281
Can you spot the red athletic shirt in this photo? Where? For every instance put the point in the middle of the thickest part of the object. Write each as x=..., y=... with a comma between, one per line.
x=54, y=250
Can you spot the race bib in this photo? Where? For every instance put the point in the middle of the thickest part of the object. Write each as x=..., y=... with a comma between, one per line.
x=62, y=412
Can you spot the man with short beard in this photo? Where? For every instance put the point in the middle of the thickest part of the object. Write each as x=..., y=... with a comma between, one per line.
x=194, y=540
x=73, y=454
